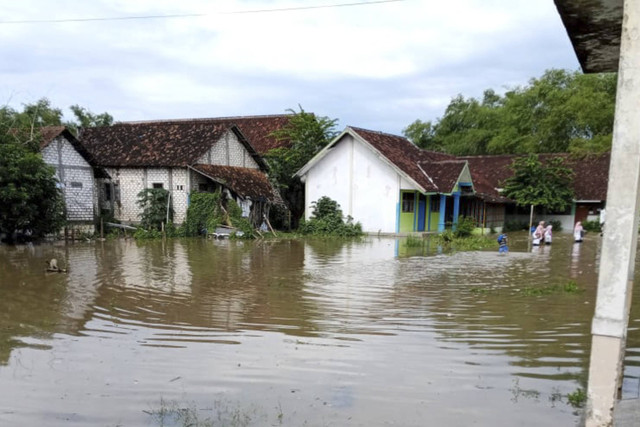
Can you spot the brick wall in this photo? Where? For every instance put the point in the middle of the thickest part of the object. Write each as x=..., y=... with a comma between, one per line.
x=76, y=177
x=229, y=151
x=132, y=181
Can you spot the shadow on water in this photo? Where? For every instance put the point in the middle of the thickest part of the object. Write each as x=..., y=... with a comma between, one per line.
x=318, y=332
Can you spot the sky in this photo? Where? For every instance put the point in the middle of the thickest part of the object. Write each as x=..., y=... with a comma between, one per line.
x=379, y=66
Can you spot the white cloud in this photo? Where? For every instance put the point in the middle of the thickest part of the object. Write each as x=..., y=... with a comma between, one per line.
x=379, y=65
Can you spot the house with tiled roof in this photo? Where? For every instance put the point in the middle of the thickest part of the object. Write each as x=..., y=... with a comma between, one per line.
x=183, y=156
x=387, y=183
x=390, y=185
x=590, y=178
x=76, y=172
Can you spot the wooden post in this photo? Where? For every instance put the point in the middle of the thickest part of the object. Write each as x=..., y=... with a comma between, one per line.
x=530, y=222
x=73, y=234
x=101, y=228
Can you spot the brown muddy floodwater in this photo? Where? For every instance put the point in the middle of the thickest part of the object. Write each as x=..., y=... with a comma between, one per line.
x=297, y=333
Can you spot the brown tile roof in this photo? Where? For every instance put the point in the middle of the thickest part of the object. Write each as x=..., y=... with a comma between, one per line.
x=245, y=182
x=431, y=170
x=49, y=133
x=176, y=142
x=153, y=144
x=444, y=174
x=590, y=174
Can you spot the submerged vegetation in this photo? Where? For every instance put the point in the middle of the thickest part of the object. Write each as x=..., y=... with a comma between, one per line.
x=570, y=287
x=327, y=220
x=220, y=414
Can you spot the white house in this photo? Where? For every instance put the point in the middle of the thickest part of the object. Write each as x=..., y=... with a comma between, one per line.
x=75, y=172
x=181, y=156
x=387, y=183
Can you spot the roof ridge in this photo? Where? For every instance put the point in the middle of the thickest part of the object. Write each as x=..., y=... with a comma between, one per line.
x=199, y=119
x=380, y=133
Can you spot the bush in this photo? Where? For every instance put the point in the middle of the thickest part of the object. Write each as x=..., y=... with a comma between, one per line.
x=557, y=225
x=203, y=214
x=591, y=226
x=515, y=226
x=465, y=227
x=327, y=220
x=206, y=213
x=153, y=202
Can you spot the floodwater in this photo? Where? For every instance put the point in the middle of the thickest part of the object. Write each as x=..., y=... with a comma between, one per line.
x=297, y=333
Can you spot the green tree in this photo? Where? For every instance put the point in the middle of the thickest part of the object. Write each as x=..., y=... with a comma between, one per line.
x=87, y=119
x=560, y=111
x=305, y=135
x=533, y=183
x=30, y=199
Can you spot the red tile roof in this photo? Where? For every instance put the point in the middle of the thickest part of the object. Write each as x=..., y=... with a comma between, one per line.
x=245, y=182
x=589, y=182
x=435, y=172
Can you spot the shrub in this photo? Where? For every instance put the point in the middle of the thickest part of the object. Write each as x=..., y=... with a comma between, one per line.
x=203, y=214
x=465, y=227
x=557, y=225
x=153, y=202
x=591, y=226
x=515, y=226
x=327, y=220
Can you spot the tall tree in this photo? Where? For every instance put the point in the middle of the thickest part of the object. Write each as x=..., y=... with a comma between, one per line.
x=558, y=112
x=87, y=119
x=305, y=135
x=533, y=183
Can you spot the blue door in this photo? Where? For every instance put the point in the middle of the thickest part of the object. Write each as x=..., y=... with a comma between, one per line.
x=422, y=208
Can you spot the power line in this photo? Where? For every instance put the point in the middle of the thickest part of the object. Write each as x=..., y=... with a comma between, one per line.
x=198, y=15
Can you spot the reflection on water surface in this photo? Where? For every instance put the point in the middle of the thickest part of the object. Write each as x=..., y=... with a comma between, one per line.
x=294, y=333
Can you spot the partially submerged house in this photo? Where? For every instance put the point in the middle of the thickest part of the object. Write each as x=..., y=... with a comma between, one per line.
x=181, y=156
x=390, y=185
x=76, y=172
x=387, y=183
x=589, y=185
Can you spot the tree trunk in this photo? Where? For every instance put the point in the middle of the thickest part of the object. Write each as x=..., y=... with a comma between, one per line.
x=530, y=221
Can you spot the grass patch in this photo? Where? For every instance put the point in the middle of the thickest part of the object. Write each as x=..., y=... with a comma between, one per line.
x=173, y=414
x=570, y=287
x=449, y=240
x=578, y=398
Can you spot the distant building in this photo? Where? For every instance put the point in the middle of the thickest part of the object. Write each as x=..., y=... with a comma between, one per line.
x=75, y=171
x=390, y=185
x=183, y=156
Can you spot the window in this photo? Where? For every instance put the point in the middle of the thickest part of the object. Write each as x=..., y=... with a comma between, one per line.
x=107, y=191
x=158, y=185
x=179, y=187
x=76, y=184
x=434, y=204
x=408, y=201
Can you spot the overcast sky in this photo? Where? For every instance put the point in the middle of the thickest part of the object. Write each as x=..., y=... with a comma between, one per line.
x=378, y=66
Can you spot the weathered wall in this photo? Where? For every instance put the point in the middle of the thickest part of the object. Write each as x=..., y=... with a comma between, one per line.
x=76, y=177
x=229, y=151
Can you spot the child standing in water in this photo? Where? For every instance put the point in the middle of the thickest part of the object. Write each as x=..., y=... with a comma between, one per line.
x=503, y=241
x=548, y=235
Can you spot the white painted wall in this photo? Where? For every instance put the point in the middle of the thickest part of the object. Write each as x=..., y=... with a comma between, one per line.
x=365, y=186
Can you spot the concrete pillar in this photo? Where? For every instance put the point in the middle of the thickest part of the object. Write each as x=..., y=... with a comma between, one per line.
x=609, y=327
x=456, y=209
x=443, y=212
